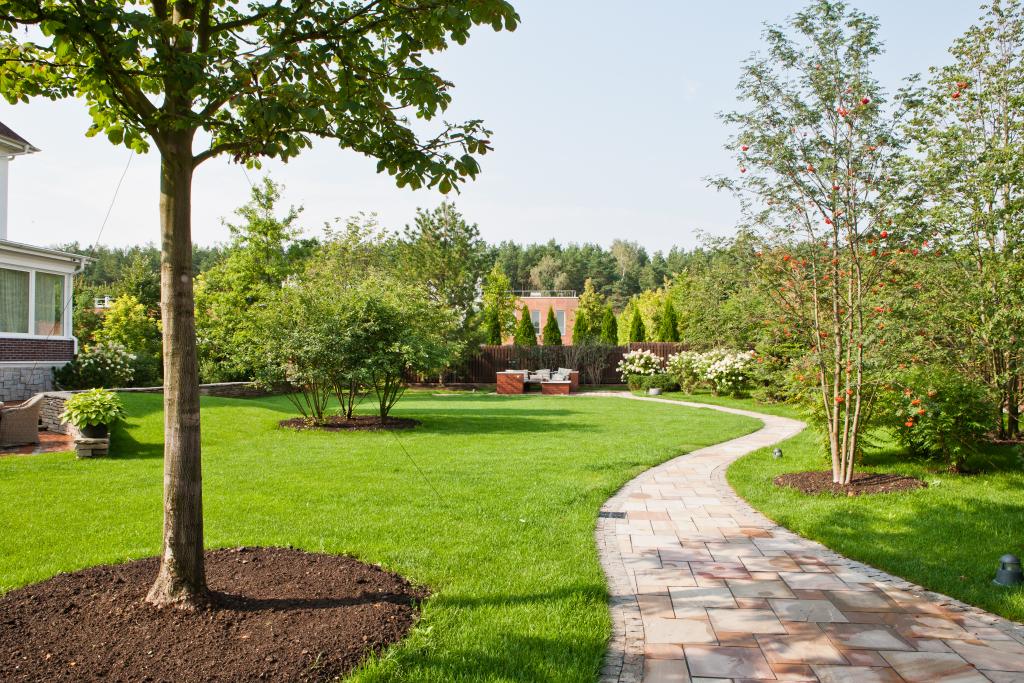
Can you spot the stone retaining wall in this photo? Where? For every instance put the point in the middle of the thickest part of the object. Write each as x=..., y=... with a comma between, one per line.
x=49, y=415
x=222, y=389
x=20, y=382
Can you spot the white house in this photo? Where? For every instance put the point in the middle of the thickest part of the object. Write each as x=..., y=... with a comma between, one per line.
x=35, y=299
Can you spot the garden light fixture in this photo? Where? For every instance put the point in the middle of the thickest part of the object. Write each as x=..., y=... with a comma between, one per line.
x=777, y=453
x=1009, y=572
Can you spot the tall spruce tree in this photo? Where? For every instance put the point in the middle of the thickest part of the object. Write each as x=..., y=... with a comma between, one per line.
x=609, y=327
x=637, y=331
x=552, y=334
x=526, y=333
x=668, y=326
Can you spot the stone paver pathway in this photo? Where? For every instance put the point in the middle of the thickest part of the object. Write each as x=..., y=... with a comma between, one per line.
x=706, y=589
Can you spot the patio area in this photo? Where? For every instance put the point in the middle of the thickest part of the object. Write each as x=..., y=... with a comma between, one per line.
x=49, y=442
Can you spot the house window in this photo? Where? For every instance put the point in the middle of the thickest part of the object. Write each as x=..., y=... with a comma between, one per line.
x=14, y=301
x=561, y=321
x=535, y=319
x=49, y=318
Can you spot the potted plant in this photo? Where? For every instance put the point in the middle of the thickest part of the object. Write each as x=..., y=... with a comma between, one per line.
x=93, y=411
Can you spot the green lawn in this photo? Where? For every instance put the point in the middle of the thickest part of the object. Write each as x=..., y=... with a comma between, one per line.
x=947, y=537
x=507, y=547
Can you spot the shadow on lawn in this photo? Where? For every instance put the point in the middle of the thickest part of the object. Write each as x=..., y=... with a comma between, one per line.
x=124, y=446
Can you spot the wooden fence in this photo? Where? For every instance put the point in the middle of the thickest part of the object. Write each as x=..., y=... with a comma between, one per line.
x=596, y=363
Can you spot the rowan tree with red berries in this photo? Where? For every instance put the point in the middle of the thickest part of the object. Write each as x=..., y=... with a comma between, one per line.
x=967, y=123
x=817, y=154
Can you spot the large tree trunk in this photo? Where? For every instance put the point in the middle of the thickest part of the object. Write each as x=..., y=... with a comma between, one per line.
x=182, y=577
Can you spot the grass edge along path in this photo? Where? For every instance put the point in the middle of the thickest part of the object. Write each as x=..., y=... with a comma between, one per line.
x=507, y=547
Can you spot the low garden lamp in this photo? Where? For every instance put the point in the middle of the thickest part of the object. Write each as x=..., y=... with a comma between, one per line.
x=1009, y=572
x=777, y=453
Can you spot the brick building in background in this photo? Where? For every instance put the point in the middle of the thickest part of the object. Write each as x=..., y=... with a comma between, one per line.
x=563, y=302
x=35, y=299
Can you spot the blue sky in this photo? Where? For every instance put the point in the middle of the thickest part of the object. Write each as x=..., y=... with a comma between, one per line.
x=604, y=121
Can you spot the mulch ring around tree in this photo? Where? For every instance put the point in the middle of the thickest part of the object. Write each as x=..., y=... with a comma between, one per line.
x=863, y=483
x=278, y=615
x=357, y=423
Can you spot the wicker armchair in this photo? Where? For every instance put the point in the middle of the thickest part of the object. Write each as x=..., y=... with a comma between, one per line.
x=20, y=424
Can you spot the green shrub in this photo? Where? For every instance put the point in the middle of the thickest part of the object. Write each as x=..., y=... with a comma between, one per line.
x=936, y=413
x=107, y=364
x=128, y=323
x=661, y=380
x=93, y=407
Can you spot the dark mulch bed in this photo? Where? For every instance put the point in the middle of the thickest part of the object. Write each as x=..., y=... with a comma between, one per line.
x=278, y=615
x=358, y=423
x=863, y=482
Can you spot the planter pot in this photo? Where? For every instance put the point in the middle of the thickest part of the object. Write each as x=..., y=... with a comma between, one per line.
x=94, y=431
x=654, y=391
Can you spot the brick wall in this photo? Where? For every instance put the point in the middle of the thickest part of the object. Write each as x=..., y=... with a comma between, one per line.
x=567, y=304
x=43, y=350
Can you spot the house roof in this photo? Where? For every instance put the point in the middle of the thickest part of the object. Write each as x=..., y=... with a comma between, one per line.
x=14, y=143
x=18, y=247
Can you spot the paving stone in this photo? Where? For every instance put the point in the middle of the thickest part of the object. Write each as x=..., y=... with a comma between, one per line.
x=1004, y=656
x=665, y=671
x=812, y=649
x=745, y=620
x=807, y=610
x=862, y=601
x=856, y=674
x=933, y=667
x=864, y=637
x=678, y=631
x=751, y=588
x=727, y=662
x=806, y=580
x=700, y=596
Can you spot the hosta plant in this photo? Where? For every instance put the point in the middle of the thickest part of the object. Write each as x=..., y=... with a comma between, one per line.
x=93, y=408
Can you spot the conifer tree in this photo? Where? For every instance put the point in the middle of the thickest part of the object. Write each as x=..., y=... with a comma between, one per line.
x=492, y=329
x=526, y=333
x=637, y=332
x=552, y=333
x=668, y=327
x=582, y=331
x=609, y=327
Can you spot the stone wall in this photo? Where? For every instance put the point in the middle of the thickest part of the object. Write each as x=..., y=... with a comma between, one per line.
x=222, y=389
x=20, y=382
x=49, y=415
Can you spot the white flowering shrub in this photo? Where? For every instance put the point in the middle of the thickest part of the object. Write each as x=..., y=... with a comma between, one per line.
x=107, y=364
x=720, y=370
x=729, y=372
x=688, y=369
x=639, y=363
